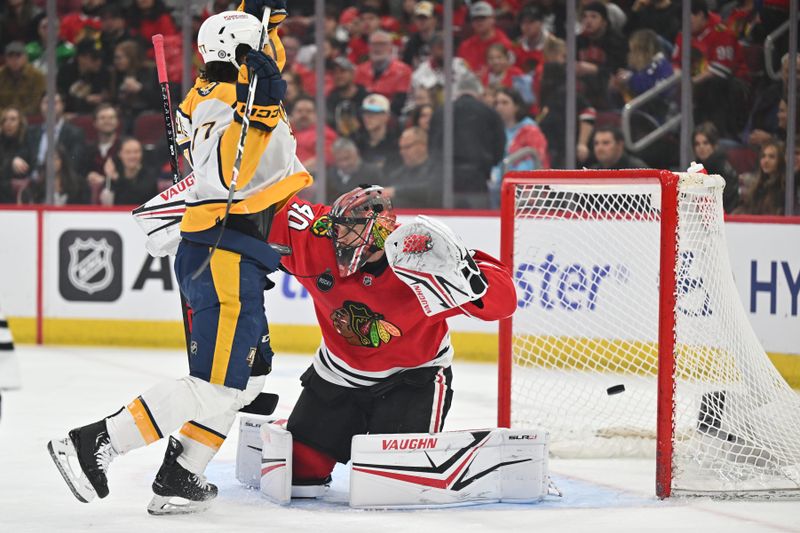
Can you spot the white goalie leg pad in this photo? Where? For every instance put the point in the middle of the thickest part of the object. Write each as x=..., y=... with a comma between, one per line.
x=450, y=468
x=276, y=462
x=248, y=451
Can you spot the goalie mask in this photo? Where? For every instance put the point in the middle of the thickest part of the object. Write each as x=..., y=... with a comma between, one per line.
x=220, y=34
x=361, y=220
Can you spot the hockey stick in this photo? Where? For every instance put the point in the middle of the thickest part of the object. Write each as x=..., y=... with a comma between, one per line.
x=169, y=126
x=237, y=163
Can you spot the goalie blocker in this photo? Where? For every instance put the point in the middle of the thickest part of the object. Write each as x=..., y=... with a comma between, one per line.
x=408, y=470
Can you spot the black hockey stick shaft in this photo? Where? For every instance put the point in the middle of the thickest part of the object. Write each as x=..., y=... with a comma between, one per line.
x=237, y=164
x=169, y=126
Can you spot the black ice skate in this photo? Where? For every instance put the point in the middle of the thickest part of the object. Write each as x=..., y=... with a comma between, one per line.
x=178, y=491
x=83, y=459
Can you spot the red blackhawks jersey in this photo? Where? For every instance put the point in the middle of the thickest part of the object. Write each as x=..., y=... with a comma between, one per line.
x=372, y=323
x=715, y=48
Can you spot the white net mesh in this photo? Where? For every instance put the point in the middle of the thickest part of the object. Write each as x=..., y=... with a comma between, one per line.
x=586, y=261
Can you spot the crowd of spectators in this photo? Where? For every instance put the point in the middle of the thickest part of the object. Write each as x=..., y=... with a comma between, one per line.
x=384, y=90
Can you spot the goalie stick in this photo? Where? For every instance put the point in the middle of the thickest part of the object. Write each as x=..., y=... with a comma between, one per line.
x=237, y=163
x=169, y=127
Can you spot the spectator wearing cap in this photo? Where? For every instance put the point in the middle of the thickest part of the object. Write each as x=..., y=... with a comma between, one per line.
x=418, y=47
x=304, y=127
x=617, y=19
x=82, y=24
x=533, y=35
x=377, y=141
x=84, y=80
x=344, y=101
x=479, y=143
x=601, y=52
x=384, y=74
x=417, y=183
x=36, y=48
x=485, y=34
x=21, y=84
x=348, y=170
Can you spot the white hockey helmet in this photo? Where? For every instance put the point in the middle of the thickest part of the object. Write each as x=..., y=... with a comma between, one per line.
x=220, y=34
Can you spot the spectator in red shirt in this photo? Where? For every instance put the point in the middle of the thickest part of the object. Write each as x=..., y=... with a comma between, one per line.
x=304, y=127
x=369, y=22
x=530, y=44
x=82, y=24
x=384, y=74
x=291, y=46
x=149, y=17
x=717, y=61
x=473, y=50
x=501, y=72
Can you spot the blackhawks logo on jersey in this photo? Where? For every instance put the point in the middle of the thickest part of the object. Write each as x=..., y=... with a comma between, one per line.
x=360, y=326
x=322, y=226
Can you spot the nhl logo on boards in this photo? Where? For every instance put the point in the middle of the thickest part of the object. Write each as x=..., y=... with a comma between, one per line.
x=90, y=265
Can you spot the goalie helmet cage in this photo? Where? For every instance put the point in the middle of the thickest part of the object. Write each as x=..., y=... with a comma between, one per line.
x=629, y=337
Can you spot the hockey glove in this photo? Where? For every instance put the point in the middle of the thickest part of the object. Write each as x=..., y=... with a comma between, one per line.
x=256, y=8
x=430, y=259
x=269, y=92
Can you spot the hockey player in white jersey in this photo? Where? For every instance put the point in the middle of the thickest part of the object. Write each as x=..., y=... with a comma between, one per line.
x=230, y=352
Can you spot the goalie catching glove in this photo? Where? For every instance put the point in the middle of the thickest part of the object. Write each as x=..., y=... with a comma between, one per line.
x=270, y=90
x=432, y=260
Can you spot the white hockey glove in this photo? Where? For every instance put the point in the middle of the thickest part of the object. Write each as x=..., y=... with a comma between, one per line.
x=430, y=259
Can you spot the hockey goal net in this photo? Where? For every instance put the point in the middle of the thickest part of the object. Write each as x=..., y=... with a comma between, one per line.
x=629, y=337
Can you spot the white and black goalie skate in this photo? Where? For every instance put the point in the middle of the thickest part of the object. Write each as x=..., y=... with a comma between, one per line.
x=83, y=459
x=178, y=491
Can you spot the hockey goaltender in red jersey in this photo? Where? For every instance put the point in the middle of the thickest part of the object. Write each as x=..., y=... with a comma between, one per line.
x=382, y=293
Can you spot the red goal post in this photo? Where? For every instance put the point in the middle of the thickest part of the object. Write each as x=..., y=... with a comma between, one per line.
x=663, y=368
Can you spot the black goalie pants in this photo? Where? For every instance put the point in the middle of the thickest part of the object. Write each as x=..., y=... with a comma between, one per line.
x=327, y=416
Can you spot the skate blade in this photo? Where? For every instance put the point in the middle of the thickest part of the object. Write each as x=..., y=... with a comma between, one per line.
x=78, y=483
x=173, y=505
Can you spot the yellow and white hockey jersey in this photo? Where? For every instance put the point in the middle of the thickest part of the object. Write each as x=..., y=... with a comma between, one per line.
x=270, y=172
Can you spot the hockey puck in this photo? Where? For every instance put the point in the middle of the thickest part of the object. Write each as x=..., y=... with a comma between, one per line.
x=616, y=389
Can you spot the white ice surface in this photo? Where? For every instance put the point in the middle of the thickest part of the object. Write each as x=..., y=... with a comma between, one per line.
x=68, y=387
